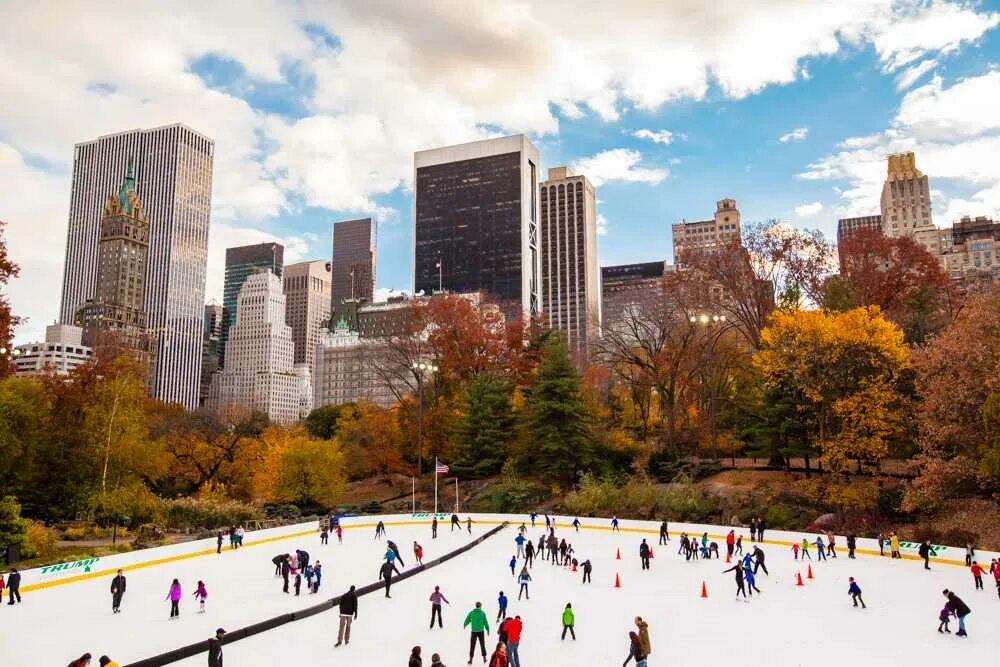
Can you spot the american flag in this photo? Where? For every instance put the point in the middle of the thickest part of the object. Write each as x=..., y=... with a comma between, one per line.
x=441, y=469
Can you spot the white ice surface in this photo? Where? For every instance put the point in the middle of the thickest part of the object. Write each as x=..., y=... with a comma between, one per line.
x=814, y=625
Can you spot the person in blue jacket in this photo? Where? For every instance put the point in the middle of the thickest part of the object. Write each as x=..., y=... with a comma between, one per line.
x=614, y=524
x=819, y=547
x=390, y=559
x=855, y=592
x=534, y=515
x=576, y=524
x=520, y=540
x=513, y=564
x=751, y=580
x=502, y=603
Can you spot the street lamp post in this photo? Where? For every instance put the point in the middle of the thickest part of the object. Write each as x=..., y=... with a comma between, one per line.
x=419, y=368
x=712, y=322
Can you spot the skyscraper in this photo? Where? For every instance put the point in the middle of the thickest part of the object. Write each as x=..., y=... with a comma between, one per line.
x=570, y=281
x=307, y=305
x=475, y=220
x=628, y=285
x=353, y=271
x=707, y=235
x=211, y=342
x=173, y=168
x=906, y=199
x=115, y=316
x=259, y=372
x=241, y=262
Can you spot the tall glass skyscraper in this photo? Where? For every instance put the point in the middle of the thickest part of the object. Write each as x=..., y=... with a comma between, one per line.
x=241, y=263
x=173, y=166
x=353, y=268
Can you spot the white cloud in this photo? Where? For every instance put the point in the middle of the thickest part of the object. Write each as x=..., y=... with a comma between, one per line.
x=966, y=109
x=602, y=225
x=861, y=142
x=798, y=134
x=656, y=136
x=618, y=164
x=808, y=210
x=913, y=74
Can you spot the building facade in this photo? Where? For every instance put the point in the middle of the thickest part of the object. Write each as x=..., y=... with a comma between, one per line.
x=60, y=352
x=354, y=258
x=173, y=179
x=210, y=348
x=114, y=317
x=707, y=235
x=628, y=285
x=973, y=252
x=345, y=370
x=476, y=221
x=570, y=288
x=847, y=226
x=259, y=373
x=307, y=304
x=906, y=199
x=241, y=263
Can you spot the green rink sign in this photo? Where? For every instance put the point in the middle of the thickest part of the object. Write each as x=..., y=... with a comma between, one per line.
x=70, y=567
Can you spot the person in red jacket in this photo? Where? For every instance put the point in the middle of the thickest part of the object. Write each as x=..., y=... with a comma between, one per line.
x=499, y=657
x=977, y=575
x=995, y=570
x=730, y=543
x=514, y=627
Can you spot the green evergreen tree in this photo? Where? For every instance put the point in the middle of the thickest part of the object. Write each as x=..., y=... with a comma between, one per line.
x=13, y=529
x=483, y=435
x=558, y=433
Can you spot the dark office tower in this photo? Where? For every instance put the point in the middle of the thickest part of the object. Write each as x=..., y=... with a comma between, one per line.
x=211, y=343
x=353, y=273
x=570, y=284
x=173, y=179
x=115, y=318
x=475, y=221
x=241, y=263
x=629, y=286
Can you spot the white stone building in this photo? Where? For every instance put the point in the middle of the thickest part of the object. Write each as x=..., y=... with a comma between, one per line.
x=61, y=352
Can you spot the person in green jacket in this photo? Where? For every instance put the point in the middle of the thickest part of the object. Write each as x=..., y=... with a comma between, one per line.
x=568, y=620
x=477, y=622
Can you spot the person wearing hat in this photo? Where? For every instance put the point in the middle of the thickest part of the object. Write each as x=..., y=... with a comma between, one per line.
x=215, y=649
x=105, y=661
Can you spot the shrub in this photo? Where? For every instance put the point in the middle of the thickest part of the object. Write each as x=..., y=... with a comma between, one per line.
x=641, y=499
x=12, y=526
x=779, y=517
x=514, y=494
x=194, y=513
x=41, y=541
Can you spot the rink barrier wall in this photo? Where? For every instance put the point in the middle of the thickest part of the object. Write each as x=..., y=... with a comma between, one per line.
x=191, y=650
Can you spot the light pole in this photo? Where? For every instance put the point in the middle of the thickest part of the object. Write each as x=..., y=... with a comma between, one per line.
x=14, y=354
x=712, y=322
x=419, y=368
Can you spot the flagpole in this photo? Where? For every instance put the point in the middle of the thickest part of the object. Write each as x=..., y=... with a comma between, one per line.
x=413, y=494
x=435, y=486
x=456, y=493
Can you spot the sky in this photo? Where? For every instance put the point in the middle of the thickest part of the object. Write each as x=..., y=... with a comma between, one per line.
x=316, y=108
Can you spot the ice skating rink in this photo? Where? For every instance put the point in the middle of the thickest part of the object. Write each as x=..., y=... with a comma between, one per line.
x=813, y=625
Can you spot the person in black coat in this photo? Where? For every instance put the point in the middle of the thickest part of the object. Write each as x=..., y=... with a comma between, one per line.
x=758, y=560
x=348, y=614
x=738, y=569
x=14, y=585
x=218, y=543
x=852, y=543
x=960, y=609
x=117, y=592
x=925, y=552
x=587, y=569
x=286, y=569
x=215, y=649
x=644, y=554
x=278, y=560
x=415, y=660
x=385, y=572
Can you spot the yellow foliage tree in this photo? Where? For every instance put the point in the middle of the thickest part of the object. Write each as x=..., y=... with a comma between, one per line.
x=296, y=468
x=844, y=369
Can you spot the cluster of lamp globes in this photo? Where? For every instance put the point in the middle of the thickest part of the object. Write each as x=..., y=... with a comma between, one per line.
x=705, y=319
x=14, y=353
x=421, y=366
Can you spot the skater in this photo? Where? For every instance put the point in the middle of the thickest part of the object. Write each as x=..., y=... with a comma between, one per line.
x=513, y=564
x=302, y=559
x=795, y=551
x=117, y=592
x=308, y=572
x=318, y=576
x=478, y=625
x=925, y=552
x=945, y=617
x=529, y=553
x=218, y=542
x=201, y=595
x=750, y=579
x=105, y=661
x=523, y=580
x=970, y=554
x=502, y=605
x=831, y=544
x=805, y=549
x=514, y=627
x=881, y=544
x=278, y=560
x=348, y=614
x=753, y=529
x=704, y=544
x=499, y=657
x=587, y=568
x=379, y=530
x=977, y=575
x=215, y=649
x=576, y=524
x=761, y=525
x=434, y=528
x=614, y=524
x=395, y=550
x=568, y=619
x=995, y=569
x=738, y=570
x=960, y=609
x=664, y=534
x=240, y=532
x=519, y=541
x=385, y=573
x=820, y=551
x=390, y=558
x=758, y=560
x=298, y=581
x=534, y=515
x=286, y=570
x=563, y=547
x=324, y=536
x=340, y=534
x=174, y=595
x=468, y=524
x=634, y=651
x=713, y=549
x=894, y=545
x=418, y=553
x=82, y=661
x=643, y=631
x=13, y=586
x=855, y=592
x=436, y=661
x=455, y=523
x=730, y=543
x=644, y=554
x=415, y=660
x=852, y=543
x=437, y=597
x=739, y=545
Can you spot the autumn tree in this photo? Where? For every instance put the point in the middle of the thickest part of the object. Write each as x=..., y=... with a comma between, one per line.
x=898, y=275
x=322, y=422
x=485, y=430
x=748, y=276
x=844, y=369
x=958, y=374
x=8, y=321
x=296, y=468
x=370, y=438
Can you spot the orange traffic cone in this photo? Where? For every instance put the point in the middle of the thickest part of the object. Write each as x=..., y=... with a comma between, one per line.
x=809, y=573
x=574, y=565
x=618, y=581
x=727, y=557
x=618, y=554
x=798, y=578
x=651, y=552
x=704, y=590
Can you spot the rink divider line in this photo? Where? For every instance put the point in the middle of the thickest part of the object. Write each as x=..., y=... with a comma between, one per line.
x=191, y=650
